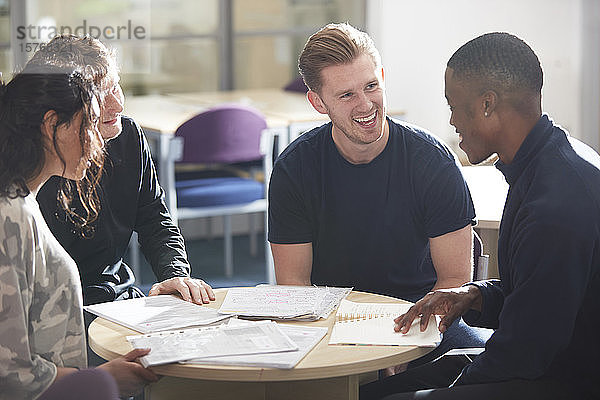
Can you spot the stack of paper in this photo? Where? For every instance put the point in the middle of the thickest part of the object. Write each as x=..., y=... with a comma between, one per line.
x=305, y=303
x=156, y=313
x=305, y=337
x=224, y=340
x=373, y=324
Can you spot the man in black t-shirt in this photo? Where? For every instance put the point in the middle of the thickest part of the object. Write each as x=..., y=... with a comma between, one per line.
x=366, y=201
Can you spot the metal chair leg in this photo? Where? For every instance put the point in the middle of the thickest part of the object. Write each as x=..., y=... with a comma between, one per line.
x=252, y=234
x=228, y=242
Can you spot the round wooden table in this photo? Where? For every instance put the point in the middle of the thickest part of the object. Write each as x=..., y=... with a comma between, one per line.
x=327, y=372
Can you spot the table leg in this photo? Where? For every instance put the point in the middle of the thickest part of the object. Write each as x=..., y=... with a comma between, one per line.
x=341, y=388
x=170, y=388
x=166, y=174
x=166, y=150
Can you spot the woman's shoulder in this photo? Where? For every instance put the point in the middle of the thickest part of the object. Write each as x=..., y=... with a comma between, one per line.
x=18, y=221
x=17, y=208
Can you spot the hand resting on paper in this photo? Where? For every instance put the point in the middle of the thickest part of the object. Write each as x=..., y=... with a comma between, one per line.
x=190, y=289
x=449, y=303
x=130, y=375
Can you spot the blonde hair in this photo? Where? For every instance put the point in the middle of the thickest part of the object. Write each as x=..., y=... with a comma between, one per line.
x=334, y=44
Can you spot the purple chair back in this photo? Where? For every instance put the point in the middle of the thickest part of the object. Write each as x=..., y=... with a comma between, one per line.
x=227, y=133
x=297, y=85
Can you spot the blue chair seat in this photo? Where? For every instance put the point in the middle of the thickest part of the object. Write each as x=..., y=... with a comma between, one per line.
x=218, y=191
x=227, y=135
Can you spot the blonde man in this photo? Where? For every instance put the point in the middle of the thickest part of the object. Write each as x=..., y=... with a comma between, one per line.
x=367, y=201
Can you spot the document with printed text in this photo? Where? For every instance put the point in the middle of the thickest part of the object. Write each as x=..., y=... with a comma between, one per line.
x=215, y=341
x=156, y=313
x=305, y=337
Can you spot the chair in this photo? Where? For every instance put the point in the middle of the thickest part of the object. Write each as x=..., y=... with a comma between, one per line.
x=480, y=260
x=221, y=136
x=480, y=272
x=272, y=143
x=297, y=85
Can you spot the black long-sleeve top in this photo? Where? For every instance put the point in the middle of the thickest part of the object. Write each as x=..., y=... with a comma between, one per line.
x=131, y=200
x=546, y=306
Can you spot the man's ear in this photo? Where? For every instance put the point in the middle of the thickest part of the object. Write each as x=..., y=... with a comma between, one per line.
x=48, y=124
x=316, y=102
x=489, y=101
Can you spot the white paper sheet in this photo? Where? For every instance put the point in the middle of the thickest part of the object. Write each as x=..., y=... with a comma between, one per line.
x=156, y=313
x=305, y=337
x=283, y=302
x=172, y=346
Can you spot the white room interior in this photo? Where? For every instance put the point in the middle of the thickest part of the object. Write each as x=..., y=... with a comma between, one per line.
x=416, y=38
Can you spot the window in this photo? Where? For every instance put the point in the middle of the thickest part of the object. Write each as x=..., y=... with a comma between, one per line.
x=268, y=36
x=5, y=55
x=193, y=45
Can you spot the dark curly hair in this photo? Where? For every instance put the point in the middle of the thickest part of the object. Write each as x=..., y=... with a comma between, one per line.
x=98, y=62
x=501, y=62
x=24, y=102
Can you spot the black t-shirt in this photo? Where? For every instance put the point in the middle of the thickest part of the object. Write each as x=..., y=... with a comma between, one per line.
x=369, y=224
x=131, y=200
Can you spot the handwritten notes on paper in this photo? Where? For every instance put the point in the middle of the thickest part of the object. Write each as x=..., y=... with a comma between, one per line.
x=283, y=302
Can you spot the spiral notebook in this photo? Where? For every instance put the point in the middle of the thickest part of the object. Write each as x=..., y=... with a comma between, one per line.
x=373, y=324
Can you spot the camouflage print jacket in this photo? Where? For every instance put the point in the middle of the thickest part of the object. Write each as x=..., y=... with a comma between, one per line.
x=41, y=323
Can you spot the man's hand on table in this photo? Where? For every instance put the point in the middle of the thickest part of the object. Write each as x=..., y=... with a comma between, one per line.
x=190, y=289
x=450, y=303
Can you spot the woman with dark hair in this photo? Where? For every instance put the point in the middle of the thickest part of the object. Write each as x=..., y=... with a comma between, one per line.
x=131, y=196
x=49, y=126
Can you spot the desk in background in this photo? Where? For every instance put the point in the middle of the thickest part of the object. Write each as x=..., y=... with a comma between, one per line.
x=327, y=372
x=161, y=115
x=289, y=113
x=273, y=103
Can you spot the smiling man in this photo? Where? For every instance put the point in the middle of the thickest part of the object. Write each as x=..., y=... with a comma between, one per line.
x=367, y=201
x=131, y=198
x=545, y=307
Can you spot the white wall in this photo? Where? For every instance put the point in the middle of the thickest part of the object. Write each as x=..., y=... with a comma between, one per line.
x=416, y=39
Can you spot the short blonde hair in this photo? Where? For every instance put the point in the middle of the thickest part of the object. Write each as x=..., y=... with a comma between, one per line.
x=334, y=44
